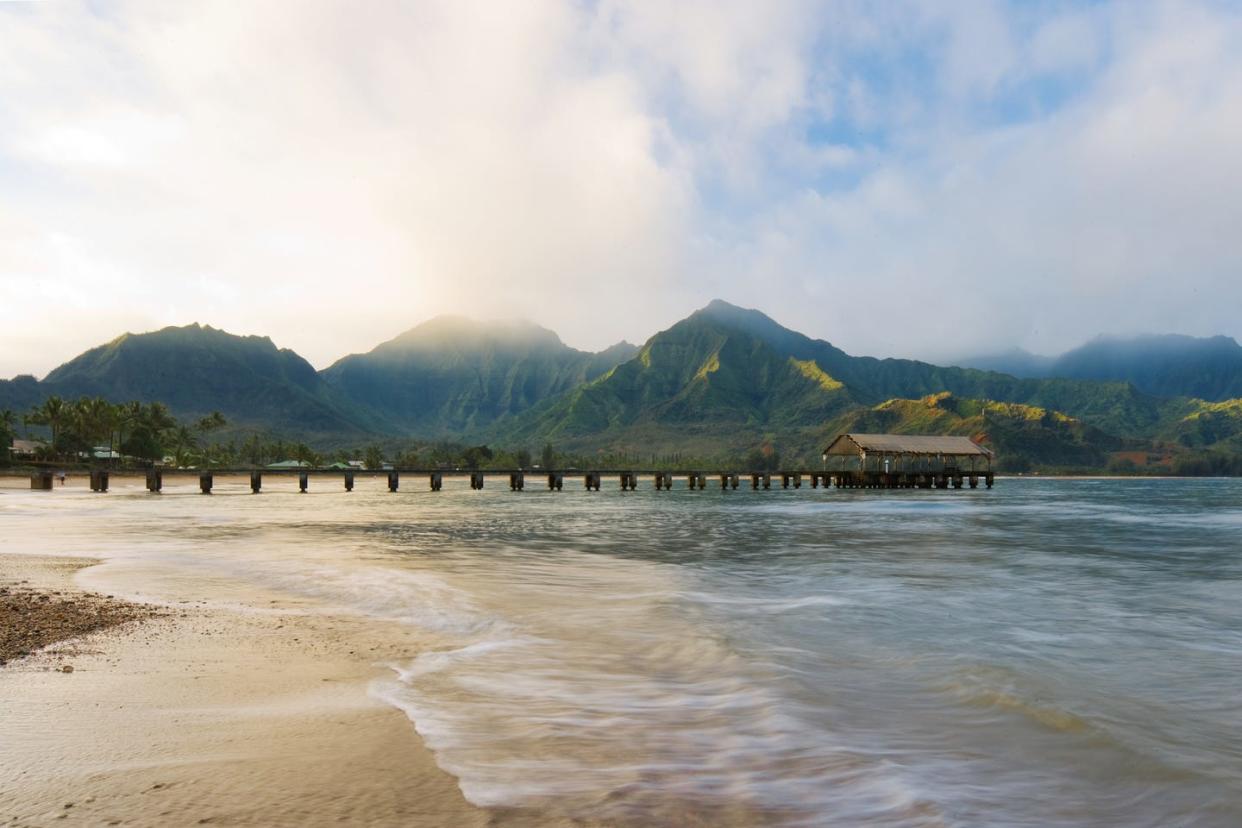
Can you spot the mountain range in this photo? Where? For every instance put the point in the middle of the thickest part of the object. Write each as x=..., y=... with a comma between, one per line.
x=1168, y=365
x=725, y=382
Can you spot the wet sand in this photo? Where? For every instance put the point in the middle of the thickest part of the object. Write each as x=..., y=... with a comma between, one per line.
x=206, y=716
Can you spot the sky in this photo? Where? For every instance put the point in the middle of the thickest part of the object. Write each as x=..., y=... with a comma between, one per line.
x=906, y=178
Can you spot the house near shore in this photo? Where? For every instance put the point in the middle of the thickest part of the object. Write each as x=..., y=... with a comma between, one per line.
x=289, y=464
x=906, y=453
x=26, y=449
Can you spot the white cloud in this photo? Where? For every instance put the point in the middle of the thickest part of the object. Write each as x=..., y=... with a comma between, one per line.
x=1111, y=214
x=982, y=175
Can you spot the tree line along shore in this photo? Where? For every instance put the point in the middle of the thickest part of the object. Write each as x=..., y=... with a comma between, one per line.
x=93, y=432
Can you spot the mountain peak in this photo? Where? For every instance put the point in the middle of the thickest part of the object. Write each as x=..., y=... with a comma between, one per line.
x=748, y=319
x=728, y=312
x=463, y=331
x=757, y=324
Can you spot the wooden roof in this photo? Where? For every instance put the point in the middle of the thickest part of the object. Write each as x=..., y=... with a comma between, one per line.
x=906, y=444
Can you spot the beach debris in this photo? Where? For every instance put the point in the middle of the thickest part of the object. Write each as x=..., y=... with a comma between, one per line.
x=31, y=619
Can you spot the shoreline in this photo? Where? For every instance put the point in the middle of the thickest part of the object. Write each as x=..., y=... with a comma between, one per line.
x=203, y=715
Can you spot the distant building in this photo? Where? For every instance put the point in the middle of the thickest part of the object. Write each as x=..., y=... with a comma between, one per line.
x=289, y=464
x=894, y=453
x=25, y=449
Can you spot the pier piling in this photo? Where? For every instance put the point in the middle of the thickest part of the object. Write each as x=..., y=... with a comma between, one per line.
x=349, y=481
x=436, y=481
x=204, y=482
x=476, y=480
x=394, y=481
x=303, y=482
x=41, y=481
x=256, y=482
x=155, y=480
x=99, y=481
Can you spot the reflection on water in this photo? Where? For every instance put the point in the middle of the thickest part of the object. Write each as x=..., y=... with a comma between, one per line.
x=1046, y=653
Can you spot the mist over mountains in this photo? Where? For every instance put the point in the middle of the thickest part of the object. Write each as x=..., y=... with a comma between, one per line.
x=726, y=382
x=1169, y=365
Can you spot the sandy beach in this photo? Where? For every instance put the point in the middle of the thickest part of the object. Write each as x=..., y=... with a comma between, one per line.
x=204, y=716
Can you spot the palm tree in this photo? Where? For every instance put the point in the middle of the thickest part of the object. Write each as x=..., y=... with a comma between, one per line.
x=128, y=416
x=53, y=413
x=8, y=423
x=184, y=442
x=205, y=426
x=110, y=419
x=159, y=419
x=79, y=431
x=100, y=420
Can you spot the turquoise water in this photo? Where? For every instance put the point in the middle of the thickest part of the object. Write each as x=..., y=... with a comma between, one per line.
x=1044, y=653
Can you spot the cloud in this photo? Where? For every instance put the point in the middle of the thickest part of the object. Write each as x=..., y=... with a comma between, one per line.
x=1107, y=213
x=912, y=178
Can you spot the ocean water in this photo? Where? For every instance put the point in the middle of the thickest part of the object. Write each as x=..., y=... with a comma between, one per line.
x=1047, y=653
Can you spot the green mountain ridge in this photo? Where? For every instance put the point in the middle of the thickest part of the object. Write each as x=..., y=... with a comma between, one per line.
x=693, y=388
x=727, y=381
x=453, y=375
x=198, y=369
x=724, y=383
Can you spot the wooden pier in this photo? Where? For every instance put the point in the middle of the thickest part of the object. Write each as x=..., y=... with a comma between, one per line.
x=851, y=461
x=554, y=481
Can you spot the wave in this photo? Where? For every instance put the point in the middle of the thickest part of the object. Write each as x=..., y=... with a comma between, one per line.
x=647, y=715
